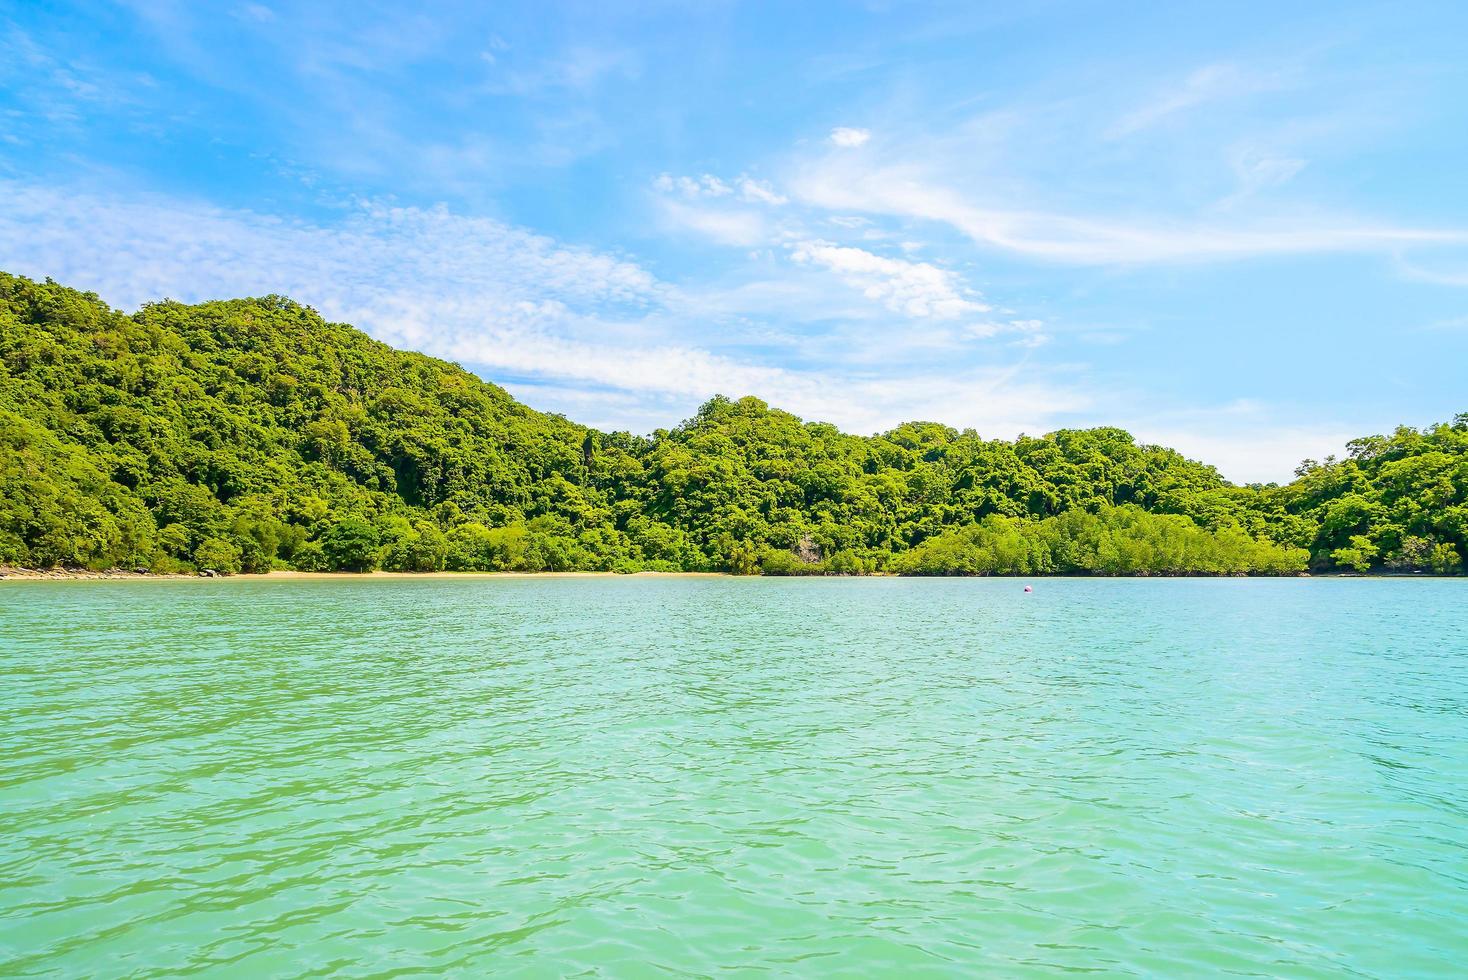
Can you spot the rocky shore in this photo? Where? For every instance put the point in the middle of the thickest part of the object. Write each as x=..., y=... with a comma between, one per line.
x=13, y=572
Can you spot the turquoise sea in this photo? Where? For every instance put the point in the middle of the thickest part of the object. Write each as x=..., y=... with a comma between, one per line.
x=694, y=776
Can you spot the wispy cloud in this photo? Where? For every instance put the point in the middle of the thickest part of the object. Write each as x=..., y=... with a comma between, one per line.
x=907, y=192
x=848, y=138
x=1257, y=170
x=1211, y=83
x=579, y=69
x=254, y=12
x=1450, y=323
x=756, y=190
x=52, y=89
x=1454, y=274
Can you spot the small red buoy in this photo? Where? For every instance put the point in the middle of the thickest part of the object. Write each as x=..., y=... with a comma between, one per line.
x=1028, y=589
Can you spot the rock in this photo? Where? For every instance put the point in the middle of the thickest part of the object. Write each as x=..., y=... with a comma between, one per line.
x=208, y=573
x=140, y=571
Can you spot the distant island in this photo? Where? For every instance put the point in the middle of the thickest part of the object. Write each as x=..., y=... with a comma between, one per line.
x=248, y=435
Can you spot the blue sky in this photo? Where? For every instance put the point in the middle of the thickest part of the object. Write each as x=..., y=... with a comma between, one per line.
x=1239, y=229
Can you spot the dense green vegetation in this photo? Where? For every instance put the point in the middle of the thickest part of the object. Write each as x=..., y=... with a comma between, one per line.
x=247, y=435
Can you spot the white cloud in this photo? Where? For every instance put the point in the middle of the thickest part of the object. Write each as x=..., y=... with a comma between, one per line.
x=754, y=190
x=845, y=136
x=725, y=225
x=714, y=187
x=145, y=247
x=914, y=289
x=693, y=188
x=909, y=193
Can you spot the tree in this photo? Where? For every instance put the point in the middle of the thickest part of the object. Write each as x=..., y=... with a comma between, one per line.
x=1445, y=560
x=254, y=559
x=424, y=549
x=1414, y=553
x=218, y=555
x=1358, y=555
x=351, y=545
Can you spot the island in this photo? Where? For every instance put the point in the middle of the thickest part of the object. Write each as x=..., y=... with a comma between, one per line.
x=251, y=435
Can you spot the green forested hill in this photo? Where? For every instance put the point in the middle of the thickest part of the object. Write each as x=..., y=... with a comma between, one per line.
x=249, y=434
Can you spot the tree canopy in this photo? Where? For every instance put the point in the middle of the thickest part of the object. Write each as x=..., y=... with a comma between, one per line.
x=245, y=435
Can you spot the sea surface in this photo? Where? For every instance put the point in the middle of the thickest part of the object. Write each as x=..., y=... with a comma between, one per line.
x=692, y=776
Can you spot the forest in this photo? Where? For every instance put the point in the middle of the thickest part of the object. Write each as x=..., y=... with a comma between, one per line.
x=248, y=435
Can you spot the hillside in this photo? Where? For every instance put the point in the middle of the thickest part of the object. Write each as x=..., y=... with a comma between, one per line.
x=243, y=435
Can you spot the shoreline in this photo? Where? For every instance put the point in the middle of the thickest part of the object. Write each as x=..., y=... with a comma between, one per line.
x=286, y=573
x=14, y=574
x=8, y=573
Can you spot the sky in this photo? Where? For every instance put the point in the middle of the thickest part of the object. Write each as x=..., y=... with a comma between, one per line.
x=1238, y=229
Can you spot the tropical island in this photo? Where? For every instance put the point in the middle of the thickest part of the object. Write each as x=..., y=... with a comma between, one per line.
x=248, y=435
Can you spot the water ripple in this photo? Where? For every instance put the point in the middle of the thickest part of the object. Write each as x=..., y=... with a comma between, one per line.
x=692, y=776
